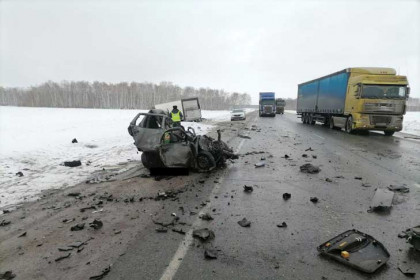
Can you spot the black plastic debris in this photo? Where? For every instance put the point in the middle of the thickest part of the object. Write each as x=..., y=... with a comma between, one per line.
x=413, y=237
x=179, y=230
x=65, y=249
x=382, y=200
x=248, y=189
x=74, y=141
x=161, y=229
x=309, y=149
x=287, y=196
x=244, y=223
x=96, y=224
x=23, y=234
x=7, y=275
x=203, y=234
x=328, y=180
x=74, y=194
x=282, y=225
x=73, y=163
x=366, y=185
x=286, y=156
x=87, y=208
x=262, y=158
x=62, y=257
x=309, y=168
x=260, y=164
x=314, y=156
x=401, y=189
x=357, y=250
x=210, y=254
x=358, y=178
x=19, y=174
x=314, y=199
x=305, y=155
x=4, y=223
x=6, y=211
x=206, y=217
x=406, y=270
x=78, y=227
x=102, y=275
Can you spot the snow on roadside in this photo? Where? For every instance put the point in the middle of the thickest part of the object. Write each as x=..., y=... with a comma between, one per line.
x=36, y=141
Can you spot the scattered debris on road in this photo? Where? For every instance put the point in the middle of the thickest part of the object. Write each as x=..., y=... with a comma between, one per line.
x=74, y=194
x=206, y=217
x=244, y=136
x=309, y=149
x=413, y=237
x=102, y=275
x=210, y=254
x=305, y=155
x=287, y=196
x=23, y=234
x=244, y=223
x=73, y=163
x=358, y=178
x=406, y=270
x=282, y=225
x=179, y=230
x=62, y=257
x=162, y=229
x=328, y=180
x=78, y=227
x=19, y=174
x=356, y=249
x=314, y=199
x=309, y=168
x=401, y=189
x=74, y=141
x=260, y=164
x=96, y=224
x=203, y=234
x=7, y=275
x=366, y=185
x=4, y=223
x=248, y=189
x=382, y=200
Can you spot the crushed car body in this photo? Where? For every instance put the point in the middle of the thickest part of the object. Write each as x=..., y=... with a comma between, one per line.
x=165, y=146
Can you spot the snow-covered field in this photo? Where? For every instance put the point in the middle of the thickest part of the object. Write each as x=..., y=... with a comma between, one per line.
x=36, y=141
x=411, y=122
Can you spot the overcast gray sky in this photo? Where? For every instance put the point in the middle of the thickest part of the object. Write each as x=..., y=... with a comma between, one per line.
x=244, y=46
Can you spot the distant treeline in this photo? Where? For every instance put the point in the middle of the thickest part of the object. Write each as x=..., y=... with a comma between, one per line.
x=123, y=95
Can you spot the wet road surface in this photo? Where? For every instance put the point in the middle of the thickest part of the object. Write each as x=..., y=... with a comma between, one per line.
x=263, y=250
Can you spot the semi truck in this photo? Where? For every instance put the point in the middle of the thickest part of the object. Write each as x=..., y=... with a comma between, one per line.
x=356, y=99
x=280, y=104
x=190, y=108
x=267, y=104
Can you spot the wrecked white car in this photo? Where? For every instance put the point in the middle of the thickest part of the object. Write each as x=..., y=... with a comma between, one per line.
x=164, y=146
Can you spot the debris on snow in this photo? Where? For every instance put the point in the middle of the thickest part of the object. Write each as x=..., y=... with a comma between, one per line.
x=248, y=189
x=282, y=225
x=314, y=199
x=244, y=223
x=73, y=163
x=309, y=168
x=206, y=217
x=74, y=141
x=287, y=196
x=19, y=174
x=7, y=275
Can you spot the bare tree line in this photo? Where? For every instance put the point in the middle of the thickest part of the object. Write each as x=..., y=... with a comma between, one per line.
x=82, y=94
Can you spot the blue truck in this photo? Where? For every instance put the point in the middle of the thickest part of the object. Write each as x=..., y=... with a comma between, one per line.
x=267, y=104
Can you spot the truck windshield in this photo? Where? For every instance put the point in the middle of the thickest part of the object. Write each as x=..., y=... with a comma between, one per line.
x=384, y=91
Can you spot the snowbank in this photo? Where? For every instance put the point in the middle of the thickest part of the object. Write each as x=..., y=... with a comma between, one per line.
x=36, y=141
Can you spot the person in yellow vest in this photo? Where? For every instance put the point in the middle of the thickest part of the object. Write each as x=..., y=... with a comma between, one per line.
x=176, y=116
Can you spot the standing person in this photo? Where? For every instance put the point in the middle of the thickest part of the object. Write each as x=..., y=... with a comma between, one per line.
x=176, y=116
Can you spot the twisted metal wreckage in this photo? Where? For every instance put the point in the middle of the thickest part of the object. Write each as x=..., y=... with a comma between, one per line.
x=165, y=146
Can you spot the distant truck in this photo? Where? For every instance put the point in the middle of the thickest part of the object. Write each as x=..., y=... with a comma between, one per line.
x=190, y=108
x=267, y=104
x=280, y=104
x=356, y=99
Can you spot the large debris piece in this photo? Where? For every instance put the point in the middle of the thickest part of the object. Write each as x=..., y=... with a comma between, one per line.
x=382, y=200
x=413, y=237
x=203, y=234
x=309, y=168
x=401, y=189
x=356, y=249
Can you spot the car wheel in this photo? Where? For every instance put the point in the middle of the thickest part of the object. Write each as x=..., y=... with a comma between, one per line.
x=349, y=125
x=389, y=133
x=151, y=160
x=205, y=161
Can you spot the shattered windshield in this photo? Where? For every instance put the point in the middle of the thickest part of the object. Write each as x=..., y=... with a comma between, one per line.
x=384, y=91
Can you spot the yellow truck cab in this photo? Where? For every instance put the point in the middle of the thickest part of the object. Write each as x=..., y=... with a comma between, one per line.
x=355, y=99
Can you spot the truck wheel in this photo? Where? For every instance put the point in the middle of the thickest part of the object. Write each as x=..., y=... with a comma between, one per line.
x=151, y=160
x=349, y=125
x=311, y=120
x=389, y=133
x=205, y=161
x=331, y=123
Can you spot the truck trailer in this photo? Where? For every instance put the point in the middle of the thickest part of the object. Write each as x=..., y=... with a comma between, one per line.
x=267, y=104
x=190, y=108
x=356, y=99
x=280, y=104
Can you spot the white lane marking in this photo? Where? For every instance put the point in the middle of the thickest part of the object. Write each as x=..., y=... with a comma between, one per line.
x=417, y=185
x=319, y=136
x=182, y=250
